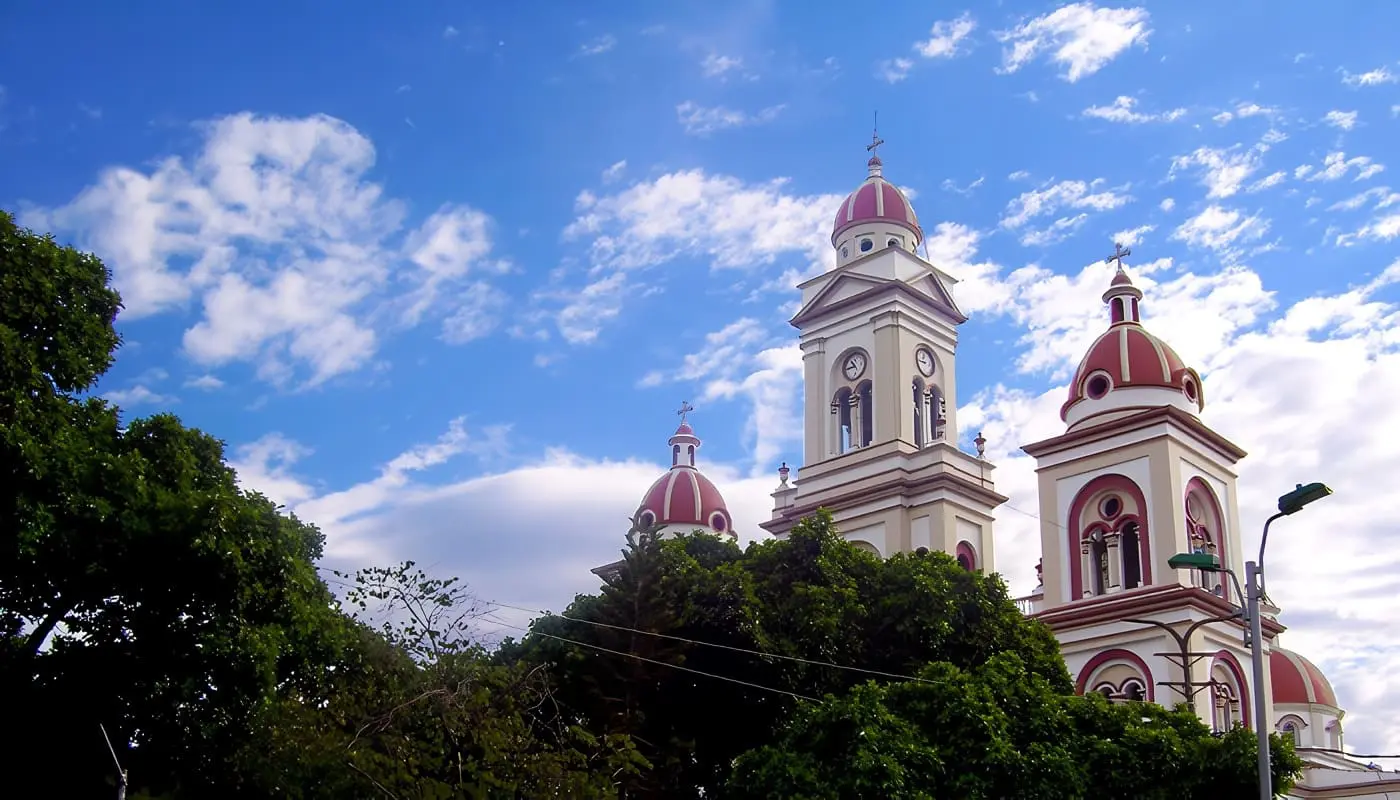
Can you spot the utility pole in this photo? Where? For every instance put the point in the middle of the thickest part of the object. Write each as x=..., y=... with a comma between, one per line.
x=121, y=773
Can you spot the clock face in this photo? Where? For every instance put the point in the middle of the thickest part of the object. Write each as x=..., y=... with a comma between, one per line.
x=924, y=359
x=855, y=366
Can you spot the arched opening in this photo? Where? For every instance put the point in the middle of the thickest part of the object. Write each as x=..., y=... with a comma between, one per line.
x=1122, y=671
x=966, y=555
x=675, y=454
x=1229, y=704
x=1205, y=531
x=1129, y=547
x=919, y=412
x=1292, y=727
x=938, y=414
x=690, y=453
x=864, y=546
x=1108, y=518
x=841, y=413
x=864, y=395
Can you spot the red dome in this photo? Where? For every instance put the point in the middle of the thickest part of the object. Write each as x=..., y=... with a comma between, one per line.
x=683, y=497
x=876, y=200
x=1128, y=356
x=1297, y=680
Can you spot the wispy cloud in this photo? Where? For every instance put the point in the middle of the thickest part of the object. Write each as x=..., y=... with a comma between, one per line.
x=1080, y=37
x=1124, y=109
x=598, y=46
x=699, y=120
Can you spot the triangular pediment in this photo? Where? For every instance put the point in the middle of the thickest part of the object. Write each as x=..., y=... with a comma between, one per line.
x=886, y=271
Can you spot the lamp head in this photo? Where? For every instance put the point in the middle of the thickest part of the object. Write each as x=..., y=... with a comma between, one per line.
x=1206, y=562
x=1294, y=501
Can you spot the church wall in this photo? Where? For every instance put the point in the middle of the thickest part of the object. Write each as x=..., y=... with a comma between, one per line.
x=1222, y=482
x=875, y=534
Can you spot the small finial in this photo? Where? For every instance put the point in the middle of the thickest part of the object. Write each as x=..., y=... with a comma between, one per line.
x=783, y=473
x=981, y=442
x=875, y=140
x=686, y=408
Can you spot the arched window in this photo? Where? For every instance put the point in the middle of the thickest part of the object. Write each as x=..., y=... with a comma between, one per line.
x=938, y=414
x=1133, y=691
x=1225, y=708
x=862, y=545
x=675, y=454
x=690, y=452
x=841, y=412
x=1107, y=541
x=1292, y=727
x=919, y=411
x=867, y=413
x=1130, y=549
x=967, y=556
x=1205, y=531
x=1227, y=692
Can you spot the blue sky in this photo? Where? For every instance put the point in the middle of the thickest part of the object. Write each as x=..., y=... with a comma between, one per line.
x=440, y=275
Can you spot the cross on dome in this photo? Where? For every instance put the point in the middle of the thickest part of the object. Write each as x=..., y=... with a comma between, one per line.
x=686, y=408
x=1119, y=253
x=875, y=141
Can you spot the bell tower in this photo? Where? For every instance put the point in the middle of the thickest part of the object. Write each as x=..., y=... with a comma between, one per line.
x=1136, y=478
x=879, y=337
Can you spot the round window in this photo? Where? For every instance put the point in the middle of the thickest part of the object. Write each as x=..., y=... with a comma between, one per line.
x=647, y=519
x=1190, y=389
x=845, y=252
x=1097, y=387
x=1111, y=507
x=865, y=245
x=893, y=243
x=717, y=522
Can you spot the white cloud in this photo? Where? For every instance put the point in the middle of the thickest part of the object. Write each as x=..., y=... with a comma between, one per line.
x=1346, y=120
x=1245, y=111
x=1167, y=204
x=894, y=70
x=1383, y=228
x=1375, y=77
x=1046, y=201
x=138, y=395
x=946, y=36
x=1132, y=236
x=701, y=121
x=274, y=230
x=1080, y=37
x=614, y=172
x=207, y=383
x=1336, y=165
x=1223, y=172
x=1123, y=110
x=598, y=46
x=450, y=32
x=1221, y=230
x=1383, y=196
x=719, y=66
x=1268, y=181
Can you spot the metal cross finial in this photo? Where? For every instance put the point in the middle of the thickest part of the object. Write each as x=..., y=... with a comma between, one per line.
x=1119, y=253
x=686, y=408
x=875, y=140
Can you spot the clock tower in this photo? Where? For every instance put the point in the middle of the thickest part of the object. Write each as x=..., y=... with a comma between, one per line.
x=879, y=339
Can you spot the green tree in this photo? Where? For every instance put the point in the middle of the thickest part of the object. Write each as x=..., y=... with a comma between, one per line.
x=811, y=598
x=420, y=709
x=999, y=731
x=140, y=588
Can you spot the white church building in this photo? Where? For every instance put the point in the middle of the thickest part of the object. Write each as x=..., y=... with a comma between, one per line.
x=1135, y=478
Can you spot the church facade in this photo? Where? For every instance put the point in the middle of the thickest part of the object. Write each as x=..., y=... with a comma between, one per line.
x=1135, y=478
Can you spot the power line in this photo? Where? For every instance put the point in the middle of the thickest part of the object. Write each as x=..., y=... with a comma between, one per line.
x=716, y=645
x=660, y=663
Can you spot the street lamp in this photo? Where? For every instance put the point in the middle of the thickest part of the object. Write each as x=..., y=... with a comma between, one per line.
x=1288, y=504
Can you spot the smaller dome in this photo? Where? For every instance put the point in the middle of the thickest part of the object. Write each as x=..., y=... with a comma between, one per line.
x=1127, y=356
x=1295, y=679
x=876, y=200
x=683, y=498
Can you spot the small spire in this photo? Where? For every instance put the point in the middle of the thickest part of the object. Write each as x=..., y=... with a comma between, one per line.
x=1122, y=296
x=875, y=163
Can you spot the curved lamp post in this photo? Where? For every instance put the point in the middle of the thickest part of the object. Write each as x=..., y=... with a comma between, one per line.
x=1288, y=504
